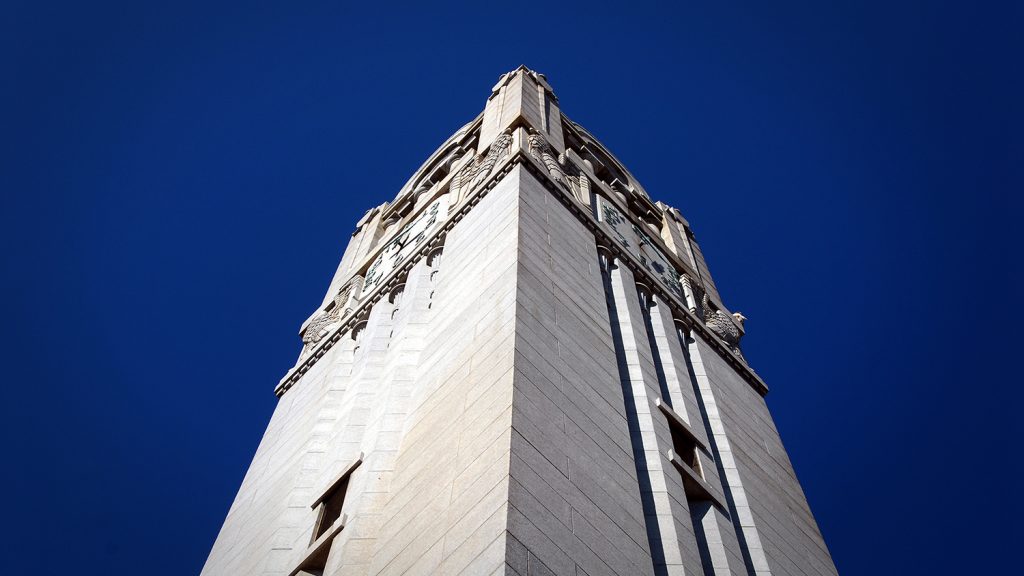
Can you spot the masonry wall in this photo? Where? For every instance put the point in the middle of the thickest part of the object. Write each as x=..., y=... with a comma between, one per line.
x=424, y=394
x=507, y=406
x=574, y=502
x=273, y=500
x=446, y=507
x=593, y=489
x=787, y=531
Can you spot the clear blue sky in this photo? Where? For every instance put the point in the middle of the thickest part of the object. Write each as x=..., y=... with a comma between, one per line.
x=179, y=180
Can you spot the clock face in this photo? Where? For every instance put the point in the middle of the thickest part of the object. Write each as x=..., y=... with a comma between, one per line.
x=639, y=244
x=405, y=242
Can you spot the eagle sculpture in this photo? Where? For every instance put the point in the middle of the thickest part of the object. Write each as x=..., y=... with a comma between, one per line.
x=727, y=327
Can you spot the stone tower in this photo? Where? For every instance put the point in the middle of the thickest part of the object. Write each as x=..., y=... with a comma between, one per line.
x=522, y=366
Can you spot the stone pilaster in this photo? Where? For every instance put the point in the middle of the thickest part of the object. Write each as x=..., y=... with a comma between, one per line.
x=522, y=97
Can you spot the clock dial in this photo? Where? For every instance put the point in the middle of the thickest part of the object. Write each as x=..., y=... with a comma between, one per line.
x=640, y=245
x=405, y=242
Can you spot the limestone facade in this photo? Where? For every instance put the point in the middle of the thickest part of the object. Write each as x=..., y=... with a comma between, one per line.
x=522, y=366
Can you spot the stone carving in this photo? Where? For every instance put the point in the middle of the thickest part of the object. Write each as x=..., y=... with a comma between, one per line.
x=688, y=293
x=615, y=219
x=541, y=150
x=327, y=320
x=640, y=245
x=477, y=170
x=318, y=328
x=727, y=327
x=406, y=242
x=500, y=148
x=561, y=169
x=462, y=175
x=577, y=182
x=607, y=259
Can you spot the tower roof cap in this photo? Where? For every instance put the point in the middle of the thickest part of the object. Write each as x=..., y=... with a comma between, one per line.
x=522, y=69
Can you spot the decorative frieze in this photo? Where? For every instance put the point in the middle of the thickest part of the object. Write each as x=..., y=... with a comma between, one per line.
x=638, y=243
x=406, y=241
x=624, y=237
x=612, y=252
x=431, y=247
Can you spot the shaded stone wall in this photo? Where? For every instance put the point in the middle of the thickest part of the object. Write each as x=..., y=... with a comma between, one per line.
x=522, y=367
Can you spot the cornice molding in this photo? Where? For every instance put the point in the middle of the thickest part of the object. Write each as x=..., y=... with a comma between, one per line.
x=679, y=308
x=395, y=278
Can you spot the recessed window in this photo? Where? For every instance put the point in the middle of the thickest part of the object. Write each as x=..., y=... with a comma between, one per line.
x=329, y=522
x=685, y=449
x=330, y=509
x=688, y=453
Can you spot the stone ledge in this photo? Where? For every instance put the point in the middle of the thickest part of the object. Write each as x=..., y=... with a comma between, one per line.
x=322, y=542
x=680, y=310
x=695, y=485
x=392, y=280
x=344, y=474
x=678, y=421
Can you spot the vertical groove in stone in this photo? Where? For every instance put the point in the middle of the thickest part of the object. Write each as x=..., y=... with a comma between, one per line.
x=406, y=313
x=667, y=355
x=445, y=508
x=753, y=555
x=661, y=490
x=484, y=398
x=659, y=365
x=654, y=536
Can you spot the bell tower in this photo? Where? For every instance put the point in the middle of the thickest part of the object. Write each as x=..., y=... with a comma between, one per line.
x=521, y=366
